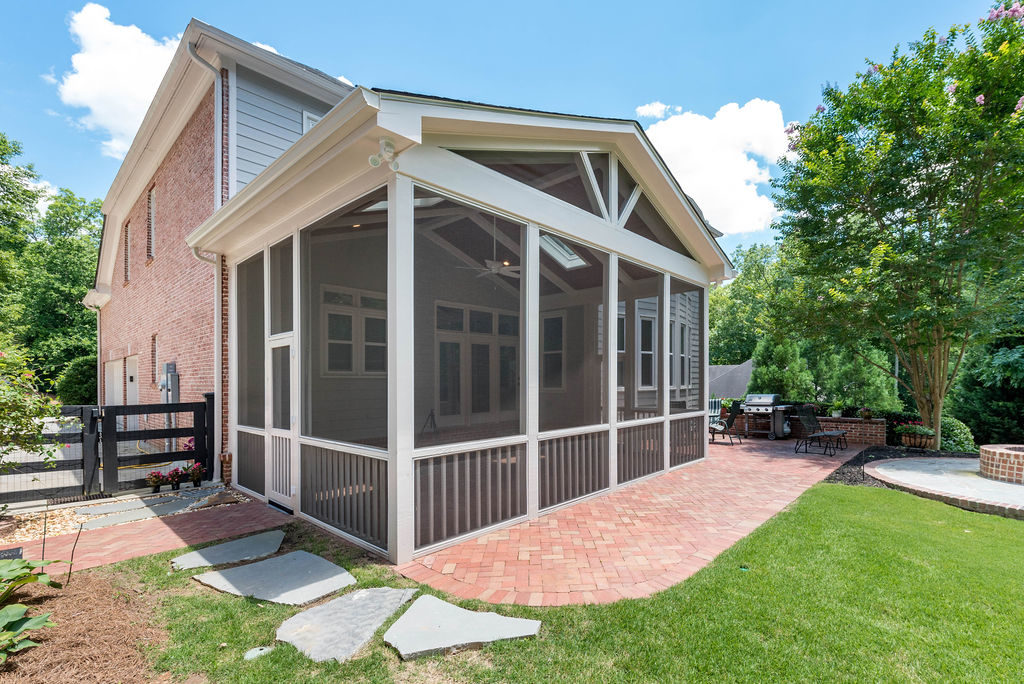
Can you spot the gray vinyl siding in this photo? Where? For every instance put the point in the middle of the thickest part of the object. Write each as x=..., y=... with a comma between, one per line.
x=268, y=121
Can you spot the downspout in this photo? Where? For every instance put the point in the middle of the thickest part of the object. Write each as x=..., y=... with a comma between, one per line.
x=215, y=262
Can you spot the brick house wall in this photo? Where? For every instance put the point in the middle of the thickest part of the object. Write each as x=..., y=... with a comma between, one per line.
x=171, y=295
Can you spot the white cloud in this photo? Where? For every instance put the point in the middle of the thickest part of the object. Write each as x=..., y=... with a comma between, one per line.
x=46, y=198
x=49, y=77
x=346, y=81
x=114, y=75
x=652, y=110
x=721, y=161
x=268, y=48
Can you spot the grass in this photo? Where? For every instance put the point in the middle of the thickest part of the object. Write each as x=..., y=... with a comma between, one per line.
x=848, y=584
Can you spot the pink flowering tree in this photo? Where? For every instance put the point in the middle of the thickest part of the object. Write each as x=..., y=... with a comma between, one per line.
x=903, y=203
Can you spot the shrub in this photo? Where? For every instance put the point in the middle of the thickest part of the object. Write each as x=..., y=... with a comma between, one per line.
x=956, y=436
x=77, y=384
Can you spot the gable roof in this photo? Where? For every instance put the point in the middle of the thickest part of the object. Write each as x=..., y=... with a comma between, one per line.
x=730, y=381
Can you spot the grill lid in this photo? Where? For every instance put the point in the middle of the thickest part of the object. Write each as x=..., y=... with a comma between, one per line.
x=763, y=399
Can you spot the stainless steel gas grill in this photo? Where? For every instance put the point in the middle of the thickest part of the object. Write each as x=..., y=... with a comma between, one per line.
x=766, y=415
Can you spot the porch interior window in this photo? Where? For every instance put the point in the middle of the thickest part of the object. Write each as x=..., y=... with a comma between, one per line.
x=640, y=379
x=467, y=308
x=250, y=339
x=572, y=368
x=686, y=321
x=343, y=286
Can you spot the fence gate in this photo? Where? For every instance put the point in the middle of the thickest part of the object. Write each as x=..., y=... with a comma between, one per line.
x=111, y=449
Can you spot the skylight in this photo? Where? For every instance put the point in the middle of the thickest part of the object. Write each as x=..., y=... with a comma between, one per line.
x=566, y=257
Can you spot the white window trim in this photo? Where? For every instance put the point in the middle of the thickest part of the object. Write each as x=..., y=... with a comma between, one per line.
x=550, y=315
x=358, y=342
x=309, y=120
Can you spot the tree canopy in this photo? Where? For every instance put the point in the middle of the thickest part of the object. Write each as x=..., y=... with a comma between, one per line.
x=903, y=200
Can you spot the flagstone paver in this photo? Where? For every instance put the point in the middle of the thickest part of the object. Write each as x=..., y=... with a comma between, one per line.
x=640, y=539
x=122, y=506
x=176, y=505
x=338, y=629
x=246, y=548
x=293, y=579
x=435, y=626
x=131, y=540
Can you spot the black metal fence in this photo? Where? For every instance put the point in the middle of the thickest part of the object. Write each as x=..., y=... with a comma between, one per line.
x=100, y=442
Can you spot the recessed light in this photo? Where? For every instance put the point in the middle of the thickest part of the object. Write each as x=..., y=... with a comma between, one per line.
x=356, y=225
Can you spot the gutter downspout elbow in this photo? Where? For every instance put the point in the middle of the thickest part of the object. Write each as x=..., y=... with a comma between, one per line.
x=191, y=47
x=202, y=257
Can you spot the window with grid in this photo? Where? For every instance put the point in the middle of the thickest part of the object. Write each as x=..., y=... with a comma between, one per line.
x=150, y=223
x=127, y=245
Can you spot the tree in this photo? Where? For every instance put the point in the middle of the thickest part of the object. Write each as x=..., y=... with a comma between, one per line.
x=840, y=374
x=779, y=369
x=23, y=407
x=77, y=383
x=55, y=270
x=903, y=202
x=18, y=197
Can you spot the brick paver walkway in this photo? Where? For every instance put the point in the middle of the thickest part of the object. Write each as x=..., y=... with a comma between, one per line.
x=635, y=541
x=121, y=542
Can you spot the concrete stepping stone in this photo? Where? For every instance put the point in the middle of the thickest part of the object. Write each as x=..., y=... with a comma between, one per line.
x=294, y=578
x=246, y=548
x=338, y=629
x=169, y=508
x=122, y=506
x=435, y=626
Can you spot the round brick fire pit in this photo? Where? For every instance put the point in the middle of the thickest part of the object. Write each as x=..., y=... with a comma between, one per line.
x=1004, y=462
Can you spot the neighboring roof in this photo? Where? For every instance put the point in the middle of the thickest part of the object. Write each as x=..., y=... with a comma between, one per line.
x=730, y=382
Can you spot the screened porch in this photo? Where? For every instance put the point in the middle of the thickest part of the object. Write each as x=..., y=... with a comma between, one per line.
x=416, y=367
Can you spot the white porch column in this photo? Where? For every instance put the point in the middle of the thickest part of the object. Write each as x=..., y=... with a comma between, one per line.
x=401, y=352
x=705, y=359
x=530, y=379
x=664, y=397
x=611, y=358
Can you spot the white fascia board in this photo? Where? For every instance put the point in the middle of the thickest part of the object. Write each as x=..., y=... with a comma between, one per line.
x=451, y=173
x=346, y=125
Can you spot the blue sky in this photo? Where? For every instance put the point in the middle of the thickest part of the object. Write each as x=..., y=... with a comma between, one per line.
x=729, y=75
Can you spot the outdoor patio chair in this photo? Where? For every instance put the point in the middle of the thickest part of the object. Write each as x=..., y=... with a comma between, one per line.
x=717, y=426
x=826, y=440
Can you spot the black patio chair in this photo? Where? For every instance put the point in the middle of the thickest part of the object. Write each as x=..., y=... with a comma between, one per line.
x=717, y=426
x=826, y=440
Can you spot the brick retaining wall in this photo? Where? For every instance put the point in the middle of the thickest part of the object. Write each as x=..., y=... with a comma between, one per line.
x=871, y=432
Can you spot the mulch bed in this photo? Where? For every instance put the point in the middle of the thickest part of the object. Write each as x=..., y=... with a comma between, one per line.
x=101, y=633
x=852, y=472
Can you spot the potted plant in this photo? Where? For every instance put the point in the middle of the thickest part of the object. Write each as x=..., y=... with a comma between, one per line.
x=866, y=413
x=175, y=477
x=837, y=409
x=195, y=473
x=915, y=435
x=155, y=479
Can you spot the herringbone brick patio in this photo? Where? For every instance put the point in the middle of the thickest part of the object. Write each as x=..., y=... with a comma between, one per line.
x=635, y=541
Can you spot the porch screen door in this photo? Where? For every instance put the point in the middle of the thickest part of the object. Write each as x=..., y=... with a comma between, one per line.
x=280, y=474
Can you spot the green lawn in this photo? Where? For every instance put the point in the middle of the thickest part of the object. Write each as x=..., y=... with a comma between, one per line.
x=850, y=583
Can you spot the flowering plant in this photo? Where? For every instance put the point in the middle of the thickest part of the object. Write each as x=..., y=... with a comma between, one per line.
x=190, y=444
x=913, y=427
x=175, y=476
x=865, y=413
x=195, y=471
x=155, y=478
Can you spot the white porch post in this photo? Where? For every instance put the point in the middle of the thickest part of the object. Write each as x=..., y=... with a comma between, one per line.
x=705, y=359
x=401, y=352
x=664, y=397
x=530, y=380
x=611, y=354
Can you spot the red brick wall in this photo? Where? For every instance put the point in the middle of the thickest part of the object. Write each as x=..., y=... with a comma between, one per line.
x=171, y=296
x=870, y=432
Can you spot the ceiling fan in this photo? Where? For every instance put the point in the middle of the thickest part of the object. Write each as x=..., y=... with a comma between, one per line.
x=494, y=266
